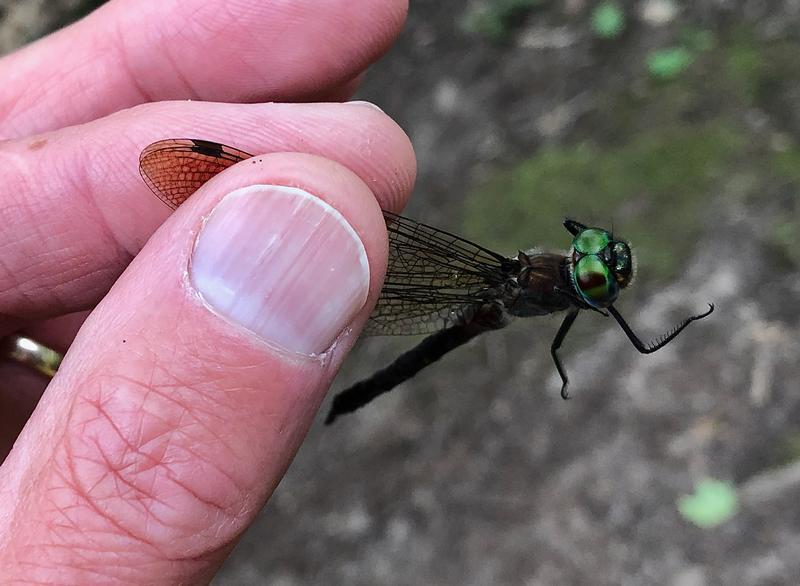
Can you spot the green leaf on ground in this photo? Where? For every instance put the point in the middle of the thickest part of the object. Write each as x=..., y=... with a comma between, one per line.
x=496, y=20
x=608, y=20
x=713, y=503
x=669, y=63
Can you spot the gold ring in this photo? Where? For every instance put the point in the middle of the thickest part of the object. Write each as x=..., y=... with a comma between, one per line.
x=30, y=353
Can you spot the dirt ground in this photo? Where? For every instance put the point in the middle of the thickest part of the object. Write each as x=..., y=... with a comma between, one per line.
x=682, y=125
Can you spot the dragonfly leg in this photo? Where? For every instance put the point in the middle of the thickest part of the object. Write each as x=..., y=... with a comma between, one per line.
x=562, y=333
x=658, y=343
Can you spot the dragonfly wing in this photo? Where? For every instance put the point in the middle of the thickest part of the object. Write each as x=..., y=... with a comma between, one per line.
x=434, y=279
x=174, y=169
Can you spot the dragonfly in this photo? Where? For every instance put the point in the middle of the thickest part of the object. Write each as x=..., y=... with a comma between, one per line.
x=441, y=284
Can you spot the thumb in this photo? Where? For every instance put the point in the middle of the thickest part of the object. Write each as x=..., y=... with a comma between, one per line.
x=191, y=386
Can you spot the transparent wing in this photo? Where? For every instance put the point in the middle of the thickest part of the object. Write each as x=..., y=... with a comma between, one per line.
x=434, y=279
x=174, y=169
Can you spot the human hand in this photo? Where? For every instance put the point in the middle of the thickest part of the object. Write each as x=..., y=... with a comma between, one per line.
x=188, y=389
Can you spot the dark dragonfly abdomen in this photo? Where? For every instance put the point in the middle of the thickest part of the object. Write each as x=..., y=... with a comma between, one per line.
x=486, y=318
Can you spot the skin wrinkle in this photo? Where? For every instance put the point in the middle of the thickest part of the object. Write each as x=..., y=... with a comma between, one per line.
x=71, y=524
x=102, y=479
x=104, y=543
x=139, y=451
x=94, y=572
x=92, y=505
x=54, y=85
x=157, y=461
x=223, y=16
x=232, y=517
x=61, y=291
x=87, y=557
x=106, y=164
x=15, y=180
x=61, y=284
x=144, y=440
x=203, y=25
x=237, y=484
x=188, y=88
x=97, y=283
x=204, y=375
x=111, y=568
x=181, y=36
x=197, y=456
x=196, y=410
x=84, y=190
x=86, y=87
x=94, y=279
x=66, y=523
x=129, y=493
x=6, y=111
x=89, y=503
x=14, y=286
x=121, y=51
x=67, y=78
x=73, y=550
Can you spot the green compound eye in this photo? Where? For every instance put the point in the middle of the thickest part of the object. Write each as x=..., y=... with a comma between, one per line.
x=591, y=241
x=594, y=281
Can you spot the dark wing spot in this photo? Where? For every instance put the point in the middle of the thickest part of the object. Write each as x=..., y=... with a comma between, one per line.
x=208, y=148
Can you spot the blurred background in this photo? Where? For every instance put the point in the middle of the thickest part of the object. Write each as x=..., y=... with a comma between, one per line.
x=680, y=123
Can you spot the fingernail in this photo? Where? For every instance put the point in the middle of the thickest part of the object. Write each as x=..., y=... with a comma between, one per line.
x=365, y=103
x=283, y=264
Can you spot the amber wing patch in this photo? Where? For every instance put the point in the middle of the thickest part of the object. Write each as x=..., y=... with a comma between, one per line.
x=175, y=168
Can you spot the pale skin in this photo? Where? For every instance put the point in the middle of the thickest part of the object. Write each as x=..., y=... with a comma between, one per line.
x=151, y=451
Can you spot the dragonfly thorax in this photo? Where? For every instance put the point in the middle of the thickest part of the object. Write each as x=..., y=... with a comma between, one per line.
x=539, y=286
x=599, y=266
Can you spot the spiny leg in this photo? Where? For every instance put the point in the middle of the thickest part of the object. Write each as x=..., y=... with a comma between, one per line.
x=663, y=340
x=562, y=333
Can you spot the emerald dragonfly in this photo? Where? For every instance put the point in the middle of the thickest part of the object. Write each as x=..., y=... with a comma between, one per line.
x=443, y=285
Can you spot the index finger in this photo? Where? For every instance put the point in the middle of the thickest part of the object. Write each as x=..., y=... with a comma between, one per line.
x=75, y=210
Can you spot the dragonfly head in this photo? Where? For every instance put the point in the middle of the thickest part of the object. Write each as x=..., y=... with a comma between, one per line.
x=599, y=264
